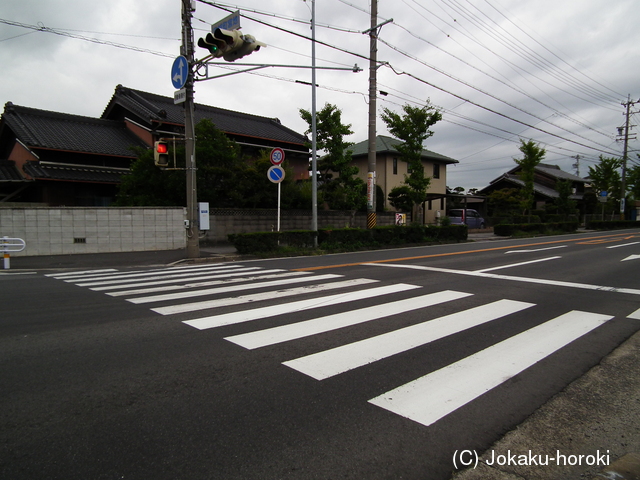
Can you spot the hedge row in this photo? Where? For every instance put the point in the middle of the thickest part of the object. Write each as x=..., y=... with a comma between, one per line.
x=612, y=224
x=348, y=238
x=506, y=230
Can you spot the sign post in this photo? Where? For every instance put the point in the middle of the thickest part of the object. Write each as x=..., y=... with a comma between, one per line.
x=275, y=174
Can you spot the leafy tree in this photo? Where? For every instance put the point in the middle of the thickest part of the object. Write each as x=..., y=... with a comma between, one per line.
x=566, y=206
x=400, y=198
x=412, y=128
x=533, y=154
x=633, y=181
x=605, y=176
x=504, y=202
x=345, y=191
x=224, y=178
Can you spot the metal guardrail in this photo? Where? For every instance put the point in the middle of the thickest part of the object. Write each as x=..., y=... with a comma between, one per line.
x=8, y=245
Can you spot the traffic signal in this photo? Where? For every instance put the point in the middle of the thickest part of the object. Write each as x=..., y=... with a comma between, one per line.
x=230, y=44
x=161, y=154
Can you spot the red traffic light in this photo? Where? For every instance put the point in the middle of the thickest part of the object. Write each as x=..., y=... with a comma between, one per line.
x=162, y=147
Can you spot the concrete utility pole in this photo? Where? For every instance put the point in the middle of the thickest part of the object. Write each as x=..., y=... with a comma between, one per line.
x=314, y=131
x=373, y=86
x=193, y=245
x=626, y=127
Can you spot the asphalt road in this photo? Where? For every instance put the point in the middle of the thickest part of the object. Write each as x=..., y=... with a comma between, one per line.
x=375, y=365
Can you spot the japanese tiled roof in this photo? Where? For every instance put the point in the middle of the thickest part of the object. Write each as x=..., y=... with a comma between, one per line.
x=9, y=172
x=388, y=145
x=71, y=173
x=71, y=133
x=553, y=171
x=152, y=108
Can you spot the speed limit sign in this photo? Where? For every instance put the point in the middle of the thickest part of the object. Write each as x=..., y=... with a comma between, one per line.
x=277, y=156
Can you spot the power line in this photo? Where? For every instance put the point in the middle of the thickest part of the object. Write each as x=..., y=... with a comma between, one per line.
x=41, y=28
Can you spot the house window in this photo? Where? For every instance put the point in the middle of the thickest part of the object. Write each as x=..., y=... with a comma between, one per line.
x=395, y=166
x=436, y=170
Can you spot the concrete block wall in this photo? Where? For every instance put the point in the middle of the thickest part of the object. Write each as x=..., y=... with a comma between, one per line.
x=73, y=230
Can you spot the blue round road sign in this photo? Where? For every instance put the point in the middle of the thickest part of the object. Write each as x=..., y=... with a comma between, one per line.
x=275, y=174
x=179, y=72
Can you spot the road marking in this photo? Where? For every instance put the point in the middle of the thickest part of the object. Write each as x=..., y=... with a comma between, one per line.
x=635, y=315
x=159, y=276
x=432, y=397
x=86, y=272
x=185, y=278
x=229, y=288
x=535, y=250
x=624, y=245
x=285, y=333
x=631, y=257
x=271, y=295
x=341, y=359
x=224, y=281
x=542, y=281
x=264, y=312
x=466, y=252
x=516, y=264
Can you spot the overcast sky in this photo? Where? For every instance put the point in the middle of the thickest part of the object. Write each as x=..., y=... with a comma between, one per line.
x=552, y=71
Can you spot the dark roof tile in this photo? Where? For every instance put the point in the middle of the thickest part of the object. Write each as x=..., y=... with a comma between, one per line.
x=156, y=108
x=61, y=131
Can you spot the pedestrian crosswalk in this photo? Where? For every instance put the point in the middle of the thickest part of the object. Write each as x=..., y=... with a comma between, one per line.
x=221, y=295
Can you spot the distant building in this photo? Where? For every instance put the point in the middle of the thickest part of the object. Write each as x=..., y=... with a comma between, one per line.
x=391, y=171
x=55, y=159
x=544, y=185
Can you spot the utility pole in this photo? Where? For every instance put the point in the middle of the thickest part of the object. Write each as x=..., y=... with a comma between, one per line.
x=193, y=245
x=314, y=131
x=577, y=165
x=626, y=127
x=373, y=86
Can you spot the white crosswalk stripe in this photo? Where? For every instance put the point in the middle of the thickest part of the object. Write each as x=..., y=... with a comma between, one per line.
x=426, y=400
x=347, y=357
x=285, y=333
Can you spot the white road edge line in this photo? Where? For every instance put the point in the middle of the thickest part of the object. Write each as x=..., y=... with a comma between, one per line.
x=516, y=264
x=542, y=281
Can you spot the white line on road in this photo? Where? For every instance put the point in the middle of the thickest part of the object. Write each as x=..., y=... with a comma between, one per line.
x=432, y=397
x=341, y=359
x=535, y=250
x=160, y=276
x=230, y=288
x=264, y=312
x=285, y=333
x=542, y=281
x=624, y=245
x=516, y=264
x=272, y=295
x=198, y=284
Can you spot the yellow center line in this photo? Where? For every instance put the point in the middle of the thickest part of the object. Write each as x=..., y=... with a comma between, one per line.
x=419, y=257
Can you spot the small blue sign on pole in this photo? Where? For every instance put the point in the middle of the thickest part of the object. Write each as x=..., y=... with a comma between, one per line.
x=276, y=174
x=179, y=72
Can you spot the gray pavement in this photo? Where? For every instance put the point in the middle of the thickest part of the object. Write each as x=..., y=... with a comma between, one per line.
x=597, y=416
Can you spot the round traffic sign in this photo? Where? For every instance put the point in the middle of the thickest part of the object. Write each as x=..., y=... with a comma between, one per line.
x=179, y=72
x=275, y=174
x=277, y=156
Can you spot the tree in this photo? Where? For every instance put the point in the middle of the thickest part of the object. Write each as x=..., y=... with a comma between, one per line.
x=533, y=154
x=412, y=128
x=224, y=178
x=566, y=206
x=344, y=192
x=605, y=177
x=633, y=181
x=504, y=202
